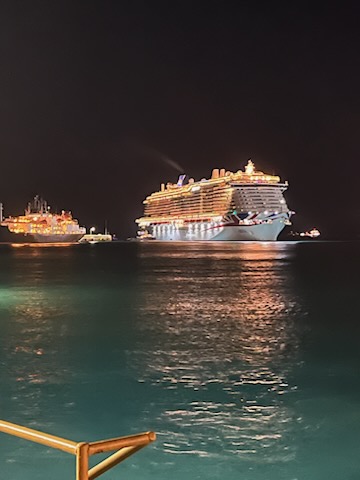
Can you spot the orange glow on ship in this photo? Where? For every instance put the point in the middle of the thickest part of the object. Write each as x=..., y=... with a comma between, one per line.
x=43, y=226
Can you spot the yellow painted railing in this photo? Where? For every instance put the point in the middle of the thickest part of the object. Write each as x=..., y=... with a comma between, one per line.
x=123, y=447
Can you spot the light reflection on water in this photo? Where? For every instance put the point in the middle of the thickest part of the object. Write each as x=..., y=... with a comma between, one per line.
x=242, y=357
x=31, y=347
x=220, y=343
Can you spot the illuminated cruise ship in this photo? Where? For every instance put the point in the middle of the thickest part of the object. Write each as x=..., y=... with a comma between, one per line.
x=39, y=225
x=229, y=206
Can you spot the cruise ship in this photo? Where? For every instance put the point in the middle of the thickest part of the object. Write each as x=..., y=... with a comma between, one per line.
x=39, y=225
x=245, y=205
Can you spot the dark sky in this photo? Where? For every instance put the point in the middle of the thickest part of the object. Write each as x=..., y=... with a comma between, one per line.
x=90, y=91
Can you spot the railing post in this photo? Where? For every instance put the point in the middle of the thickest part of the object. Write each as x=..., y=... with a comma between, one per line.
x=82, y=461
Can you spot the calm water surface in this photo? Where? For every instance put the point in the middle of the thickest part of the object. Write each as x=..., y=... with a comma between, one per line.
x=244, y=358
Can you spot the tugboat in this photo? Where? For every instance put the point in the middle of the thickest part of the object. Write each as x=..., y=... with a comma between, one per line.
x=39, y=225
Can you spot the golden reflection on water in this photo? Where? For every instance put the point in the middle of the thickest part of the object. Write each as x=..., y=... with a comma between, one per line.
x=221, y=342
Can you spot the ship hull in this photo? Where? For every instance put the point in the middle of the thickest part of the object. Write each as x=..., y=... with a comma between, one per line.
x=263, y=232
x=8, y=237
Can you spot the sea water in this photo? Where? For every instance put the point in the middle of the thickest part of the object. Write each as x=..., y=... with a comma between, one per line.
x=243, y=358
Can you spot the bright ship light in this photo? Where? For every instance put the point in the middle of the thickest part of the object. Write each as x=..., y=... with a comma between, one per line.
x=250, y=168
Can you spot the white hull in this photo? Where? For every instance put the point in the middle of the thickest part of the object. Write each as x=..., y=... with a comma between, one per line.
x=265, y=232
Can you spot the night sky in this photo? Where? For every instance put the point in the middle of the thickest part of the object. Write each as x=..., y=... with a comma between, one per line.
x=95, y=96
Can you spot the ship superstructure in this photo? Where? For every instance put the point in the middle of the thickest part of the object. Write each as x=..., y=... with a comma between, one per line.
x=38, y=224
x=245, y=205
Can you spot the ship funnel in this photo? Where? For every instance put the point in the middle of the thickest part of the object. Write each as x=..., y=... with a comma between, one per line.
x=215, y=173
x=222, y=172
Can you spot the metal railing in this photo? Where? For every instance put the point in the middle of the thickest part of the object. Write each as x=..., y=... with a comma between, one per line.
x=124, y=446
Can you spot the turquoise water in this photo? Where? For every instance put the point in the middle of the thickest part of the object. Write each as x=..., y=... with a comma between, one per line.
x=244, y=358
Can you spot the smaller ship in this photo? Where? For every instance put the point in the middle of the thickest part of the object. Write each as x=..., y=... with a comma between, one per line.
x=39, y=225
x=313, y=233
x=93, y=237
x=96, y=238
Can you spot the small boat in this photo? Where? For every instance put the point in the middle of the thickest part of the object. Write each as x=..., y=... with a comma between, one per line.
x=96, y=238
x=313, y=233
x=310, y=234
